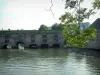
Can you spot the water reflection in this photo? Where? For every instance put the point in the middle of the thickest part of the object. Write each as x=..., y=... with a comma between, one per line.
x=4, y=55
x=49, y=62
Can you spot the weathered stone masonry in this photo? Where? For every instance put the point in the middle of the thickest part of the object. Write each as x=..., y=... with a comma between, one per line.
x=28, y=37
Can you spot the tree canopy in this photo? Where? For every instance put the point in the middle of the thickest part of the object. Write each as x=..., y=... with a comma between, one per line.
x=43, y=27
x=73, y=35
x=96, y=4
x=57, y=26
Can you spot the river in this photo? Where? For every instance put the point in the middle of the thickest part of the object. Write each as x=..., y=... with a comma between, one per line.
x=49, y=62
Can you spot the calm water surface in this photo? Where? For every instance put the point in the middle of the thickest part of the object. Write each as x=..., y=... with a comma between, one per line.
x=49, y=62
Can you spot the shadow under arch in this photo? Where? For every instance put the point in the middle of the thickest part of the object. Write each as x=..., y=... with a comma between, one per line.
x=33, y=46
x=56, y=46
x=44, y=46
x=4, y=46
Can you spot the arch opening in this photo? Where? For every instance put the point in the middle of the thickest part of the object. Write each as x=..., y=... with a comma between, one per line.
x=44, y=46
x=6, y=46
x=33, y=46
x=56, y=46
x=20, y=45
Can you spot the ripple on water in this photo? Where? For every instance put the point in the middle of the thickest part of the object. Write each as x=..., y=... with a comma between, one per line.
x=48, y=62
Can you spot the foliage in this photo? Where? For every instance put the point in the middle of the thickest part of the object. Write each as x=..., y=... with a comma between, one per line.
x=43, y=27
x=76, y=3
x=73, y=35
x=57, y=27
x=79, y=16
x=79, y=13
x=72, y=3
x=96, y=4
x=74, y=38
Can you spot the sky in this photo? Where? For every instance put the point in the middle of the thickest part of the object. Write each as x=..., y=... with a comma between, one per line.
x=30, y=14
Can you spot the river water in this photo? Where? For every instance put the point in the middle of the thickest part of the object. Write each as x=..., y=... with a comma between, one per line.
x=49, y=62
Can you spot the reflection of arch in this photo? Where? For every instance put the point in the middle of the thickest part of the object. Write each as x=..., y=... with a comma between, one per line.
x=32, y=46
x=56, y=45
x=44, y=46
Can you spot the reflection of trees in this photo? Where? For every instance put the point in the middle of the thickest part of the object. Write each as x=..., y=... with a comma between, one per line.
x=53, y=58
x=55, y=53
x=78, y=58
x=77, y=55
x=93, y=64
x=91, y=58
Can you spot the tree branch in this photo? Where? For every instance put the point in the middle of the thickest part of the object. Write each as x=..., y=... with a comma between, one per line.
x=50, y=9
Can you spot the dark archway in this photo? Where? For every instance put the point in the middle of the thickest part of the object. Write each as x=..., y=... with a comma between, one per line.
x=33, y=46
x=56, y=46
x=5, y=46
x=44, y=46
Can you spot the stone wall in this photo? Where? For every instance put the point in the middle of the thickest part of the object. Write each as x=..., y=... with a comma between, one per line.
x=28, y=38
